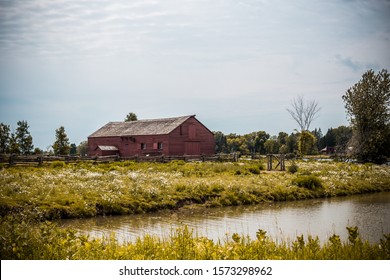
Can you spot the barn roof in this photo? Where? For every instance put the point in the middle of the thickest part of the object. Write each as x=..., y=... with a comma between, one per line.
x=140, y=127
x=107, y=148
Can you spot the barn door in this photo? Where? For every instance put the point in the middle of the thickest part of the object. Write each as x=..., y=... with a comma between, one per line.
x=192, y=148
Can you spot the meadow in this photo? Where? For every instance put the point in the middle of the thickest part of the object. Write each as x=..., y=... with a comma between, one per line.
x=80, y=190
x=32, y=198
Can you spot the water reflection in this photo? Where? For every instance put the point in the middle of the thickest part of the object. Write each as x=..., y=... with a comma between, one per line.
x=282, y=220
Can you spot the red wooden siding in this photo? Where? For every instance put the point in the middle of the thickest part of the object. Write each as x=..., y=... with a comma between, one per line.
x=190, y=137
x=192, y=148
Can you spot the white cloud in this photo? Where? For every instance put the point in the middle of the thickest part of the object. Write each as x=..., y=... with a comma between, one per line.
x=241, y=60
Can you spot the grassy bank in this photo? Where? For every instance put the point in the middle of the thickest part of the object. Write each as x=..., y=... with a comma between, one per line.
x=25, y=239
x=85, y=190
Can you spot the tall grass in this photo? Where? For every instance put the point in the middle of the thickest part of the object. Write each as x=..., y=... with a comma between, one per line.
x=30, y=239
x=85, y=190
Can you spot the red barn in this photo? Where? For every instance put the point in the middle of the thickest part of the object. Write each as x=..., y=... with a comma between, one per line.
x=170, y=136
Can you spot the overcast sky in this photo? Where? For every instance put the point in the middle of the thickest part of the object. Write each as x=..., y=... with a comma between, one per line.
x=235, y=64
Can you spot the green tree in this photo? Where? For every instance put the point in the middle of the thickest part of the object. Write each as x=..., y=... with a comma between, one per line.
x=306, y=143
x=131, y=117
x=82, y=148
x=13, y=144
x=292, y=143
x=261, y=138
x=368, y=108
x=343, y=136
x=220, y=142
x=282, y=138
x=318, y=134
x=24, y=138
x=251, y=143
x=282, y=143
x=73, y=149
x=4, y=138
x=38, y=151
x=255, y=141
x=271, y=146
x=336, y=137
x=236, y=143
x=61, y=146
x=283, y=149
x=329, y=139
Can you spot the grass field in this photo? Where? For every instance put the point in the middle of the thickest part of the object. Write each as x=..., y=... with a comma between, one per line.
x=86, y=190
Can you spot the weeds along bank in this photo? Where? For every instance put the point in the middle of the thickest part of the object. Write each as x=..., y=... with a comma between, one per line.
x=25, y=238
x=84, y=190
x=28, y=239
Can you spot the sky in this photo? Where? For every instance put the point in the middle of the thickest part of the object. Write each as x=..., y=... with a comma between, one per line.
x=236, y=65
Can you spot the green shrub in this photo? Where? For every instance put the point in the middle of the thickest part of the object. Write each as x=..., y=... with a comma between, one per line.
x=308, y=181
x=129, y=163
x=57, y=164
x=237, y=172
x=293, y=168
x=178, y=162
x=255, y=169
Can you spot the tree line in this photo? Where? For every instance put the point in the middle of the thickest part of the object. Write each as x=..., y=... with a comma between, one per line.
x=300, y=143
x=367, y=138
x=260, y=142
x=20, y=142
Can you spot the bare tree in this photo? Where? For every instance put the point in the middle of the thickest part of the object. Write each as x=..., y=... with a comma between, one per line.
x=303, y=112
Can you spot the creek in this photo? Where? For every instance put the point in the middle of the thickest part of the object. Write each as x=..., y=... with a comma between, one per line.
x=282, y=220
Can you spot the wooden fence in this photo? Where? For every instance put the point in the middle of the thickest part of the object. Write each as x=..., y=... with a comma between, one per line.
x=280, y=162
x=42, y=159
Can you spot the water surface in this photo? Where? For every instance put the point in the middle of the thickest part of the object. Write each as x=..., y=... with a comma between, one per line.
x=282, y=220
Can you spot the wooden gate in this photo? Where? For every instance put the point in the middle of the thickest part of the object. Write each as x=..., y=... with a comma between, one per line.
x=280, y=162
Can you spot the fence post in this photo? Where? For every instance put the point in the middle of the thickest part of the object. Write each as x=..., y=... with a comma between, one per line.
x=269, y=162
x=11, y=159
x=40, y=160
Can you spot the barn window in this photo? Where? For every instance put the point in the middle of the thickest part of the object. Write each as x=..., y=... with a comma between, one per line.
x=160, y=145
x=143, y=146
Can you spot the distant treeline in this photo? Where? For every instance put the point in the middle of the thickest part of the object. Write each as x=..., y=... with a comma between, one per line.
x=20, y=142
x=263, y=143
x=260, y=142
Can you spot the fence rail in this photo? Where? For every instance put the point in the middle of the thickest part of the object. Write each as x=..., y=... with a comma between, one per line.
x=11, y=159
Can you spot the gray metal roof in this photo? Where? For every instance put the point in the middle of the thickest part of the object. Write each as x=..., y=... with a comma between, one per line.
x=140, y=127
